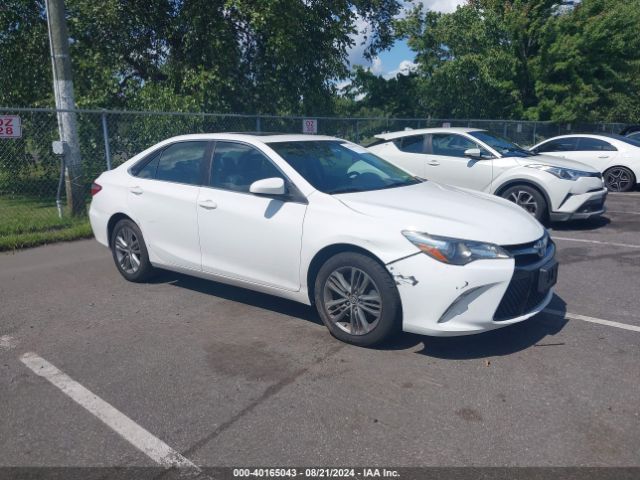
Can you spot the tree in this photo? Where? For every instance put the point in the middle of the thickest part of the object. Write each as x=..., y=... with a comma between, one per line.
x=254, y=56
x=589, y=67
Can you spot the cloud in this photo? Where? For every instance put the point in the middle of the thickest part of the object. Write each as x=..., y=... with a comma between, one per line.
x=404, y=68
x=445, y=6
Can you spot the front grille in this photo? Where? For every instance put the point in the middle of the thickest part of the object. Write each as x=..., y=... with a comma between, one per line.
x=522, y=294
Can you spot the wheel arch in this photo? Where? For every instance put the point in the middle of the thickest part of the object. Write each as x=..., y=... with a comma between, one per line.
x=113, y=220
x=530, y=183
x=327, y=252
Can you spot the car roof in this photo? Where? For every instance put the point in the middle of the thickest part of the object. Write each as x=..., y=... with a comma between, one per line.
x=265, y=137
x=422, y=131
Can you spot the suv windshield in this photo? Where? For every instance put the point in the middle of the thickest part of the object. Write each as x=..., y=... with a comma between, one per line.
x=338, y=166
x=500, y=145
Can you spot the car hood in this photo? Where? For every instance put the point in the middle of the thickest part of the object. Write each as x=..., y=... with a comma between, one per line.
x=447, y=211
x=557, y=162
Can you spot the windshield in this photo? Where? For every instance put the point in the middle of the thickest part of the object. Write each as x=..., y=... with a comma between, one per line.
x=500, y=145
x=338, y=166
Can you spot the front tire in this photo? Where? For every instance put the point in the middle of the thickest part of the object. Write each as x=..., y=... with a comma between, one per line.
x=529, y=198
x=619, y=179
x=357, y=299
x=130, y=252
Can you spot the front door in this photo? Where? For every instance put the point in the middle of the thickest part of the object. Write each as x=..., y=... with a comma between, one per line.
x=243, y=236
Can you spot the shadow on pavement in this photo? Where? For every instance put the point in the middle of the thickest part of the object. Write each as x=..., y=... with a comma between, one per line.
x=581, y=225
x=240, y=295
x=503, y=341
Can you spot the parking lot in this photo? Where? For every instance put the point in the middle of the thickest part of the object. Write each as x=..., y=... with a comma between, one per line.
x=191, y=371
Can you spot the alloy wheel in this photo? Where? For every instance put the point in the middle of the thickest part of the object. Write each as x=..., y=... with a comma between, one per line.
x=127, y=248
x=525, y=200
x=352, y=300
x=617, y=179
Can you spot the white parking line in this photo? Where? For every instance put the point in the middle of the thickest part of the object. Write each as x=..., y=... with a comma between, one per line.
x=584, y=318
x=597, y=242
x=137, y=436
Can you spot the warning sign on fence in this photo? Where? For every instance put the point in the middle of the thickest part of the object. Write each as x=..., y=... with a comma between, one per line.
x=310, y=125
x=10, y=126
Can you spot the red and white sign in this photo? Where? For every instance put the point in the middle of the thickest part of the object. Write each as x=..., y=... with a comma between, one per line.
x=10, y=126
x=310, y=125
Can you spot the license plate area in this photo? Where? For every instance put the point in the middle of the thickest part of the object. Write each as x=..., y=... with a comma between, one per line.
x=547, y=276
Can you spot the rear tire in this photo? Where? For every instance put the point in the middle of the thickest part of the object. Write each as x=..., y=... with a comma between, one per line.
x=130, y=252
x=529, y=198
x=619, y=179
x=357, y=299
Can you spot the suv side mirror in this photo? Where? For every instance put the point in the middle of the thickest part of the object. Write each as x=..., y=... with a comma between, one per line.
x=474, y=153
x=268, y=186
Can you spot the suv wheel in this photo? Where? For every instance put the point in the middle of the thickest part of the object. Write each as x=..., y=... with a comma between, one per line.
x=528, y=198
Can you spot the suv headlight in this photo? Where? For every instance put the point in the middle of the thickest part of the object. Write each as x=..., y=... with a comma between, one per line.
x=454, y=251
x=563, y=173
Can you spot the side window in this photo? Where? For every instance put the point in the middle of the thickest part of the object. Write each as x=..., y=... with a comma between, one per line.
x=236, y=166
x=182, y=163
x=568, y=144
x=412, y=144
x=587, y=144
x=148, y=166
x=451, y=145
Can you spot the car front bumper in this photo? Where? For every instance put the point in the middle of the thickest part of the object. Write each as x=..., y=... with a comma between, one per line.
x=581, y=206
x=449, y=300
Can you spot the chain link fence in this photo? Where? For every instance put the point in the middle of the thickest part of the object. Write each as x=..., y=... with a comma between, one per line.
x=30, y=171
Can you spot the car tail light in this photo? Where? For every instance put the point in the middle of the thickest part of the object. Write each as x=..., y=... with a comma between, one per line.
x=95, y=188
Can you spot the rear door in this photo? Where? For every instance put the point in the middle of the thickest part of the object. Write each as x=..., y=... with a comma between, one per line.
x=162, y=198
x=595, y=152
x=446, y=162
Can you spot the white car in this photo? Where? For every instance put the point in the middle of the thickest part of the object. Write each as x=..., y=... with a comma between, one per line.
x=547, y=187
x=323, y=221
x=617, y=157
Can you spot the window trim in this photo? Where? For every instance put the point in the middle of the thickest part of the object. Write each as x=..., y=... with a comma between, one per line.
x=404, y=137
x=546, y=142
x=143, y=162
x=292, y=195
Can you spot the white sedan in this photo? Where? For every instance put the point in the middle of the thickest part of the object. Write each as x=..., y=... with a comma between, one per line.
x=323, y=221
x=617, y=157
x=547, y=187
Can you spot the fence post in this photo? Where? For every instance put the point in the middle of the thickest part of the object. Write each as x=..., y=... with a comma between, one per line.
x=258, y=126
x=357, y=132
x=105, y=134
x=535, y=124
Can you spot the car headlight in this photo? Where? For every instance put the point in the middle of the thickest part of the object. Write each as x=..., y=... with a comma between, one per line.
x=563, y=173
x=454, y=251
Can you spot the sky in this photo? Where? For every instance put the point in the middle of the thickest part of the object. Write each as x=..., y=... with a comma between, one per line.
x=399, y=58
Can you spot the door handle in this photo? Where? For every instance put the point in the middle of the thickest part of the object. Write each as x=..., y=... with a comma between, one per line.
x=435, y=163
x=136, y=190
x=208, y=204
x=604, y=156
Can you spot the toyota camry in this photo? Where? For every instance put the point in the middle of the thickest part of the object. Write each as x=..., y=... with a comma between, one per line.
x=325, y=222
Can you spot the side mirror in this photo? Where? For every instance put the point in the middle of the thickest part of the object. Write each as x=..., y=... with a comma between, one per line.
x=268, y=186
x=474, y=153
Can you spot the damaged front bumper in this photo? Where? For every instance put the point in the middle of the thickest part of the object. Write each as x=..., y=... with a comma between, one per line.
x=449, y=300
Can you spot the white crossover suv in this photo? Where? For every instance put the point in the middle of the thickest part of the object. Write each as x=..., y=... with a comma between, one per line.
x=547, y=187
x=617, y=157
x=323, y=221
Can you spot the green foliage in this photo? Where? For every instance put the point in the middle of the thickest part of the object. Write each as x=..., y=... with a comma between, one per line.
x=255, y=56
x=524, y=59
x=25, y=222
